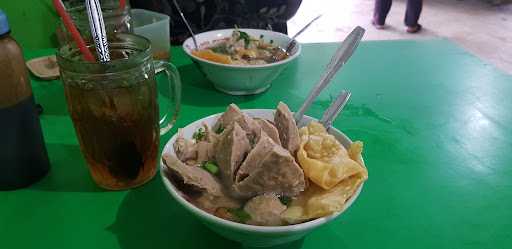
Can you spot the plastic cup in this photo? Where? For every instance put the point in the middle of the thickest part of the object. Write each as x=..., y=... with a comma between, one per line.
x=155, y=27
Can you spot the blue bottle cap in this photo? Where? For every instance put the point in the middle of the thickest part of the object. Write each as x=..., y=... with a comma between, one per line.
x=4, y=25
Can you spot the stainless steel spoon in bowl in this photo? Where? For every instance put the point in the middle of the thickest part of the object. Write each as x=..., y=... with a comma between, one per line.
x=186, y=24
x=335, y=108
x=280, y=52
x=341, y=56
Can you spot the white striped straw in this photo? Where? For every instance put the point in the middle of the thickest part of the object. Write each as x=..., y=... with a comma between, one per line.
x=63, y=6
x=98, y=29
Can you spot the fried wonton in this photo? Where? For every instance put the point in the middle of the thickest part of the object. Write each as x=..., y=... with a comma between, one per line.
x=324, y=160
x=334, y=172
x=317, y=202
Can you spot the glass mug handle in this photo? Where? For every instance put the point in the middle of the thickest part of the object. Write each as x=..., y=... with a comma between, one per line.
x=173, y=78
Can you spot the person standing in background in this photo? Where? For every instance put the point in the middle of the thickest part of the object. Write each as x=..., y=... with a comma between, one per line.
x=205, y=15
x=412, y=14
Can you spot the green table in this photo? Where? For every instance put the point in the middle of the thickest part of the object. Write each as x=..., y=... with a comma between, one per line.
x=436, y=125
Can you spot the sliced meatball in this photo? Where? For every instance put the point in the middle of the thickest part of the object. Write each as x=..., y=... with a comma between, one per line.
x=288, y=131
x=269, y=129
x=198, y=185
x=205, y=151
x=184, y=148
x=230, y=150
x=269, y=168
x=232, y=115
x=265, y=210
x=254, y=159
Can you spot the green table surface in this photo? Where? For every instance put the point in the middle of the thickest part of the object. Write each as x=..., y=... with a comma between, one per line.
x=435, y=121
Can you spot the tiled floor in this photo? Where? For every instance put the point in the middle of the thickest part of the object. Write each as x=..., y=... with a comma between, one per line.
x=479, y=27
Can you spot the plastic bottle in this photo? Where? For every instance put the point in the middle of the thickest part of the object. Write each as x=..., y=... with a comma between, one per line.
x=23, y=155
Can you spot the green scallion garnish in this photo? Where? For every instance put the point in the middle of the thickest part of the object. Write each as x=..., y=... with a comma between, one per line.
x=219, y=129
x=252, y=141
x=285, y=200
x=220, y=49
x=210, y=167
x=244, y=36
x=199, y=135
x=240, y=214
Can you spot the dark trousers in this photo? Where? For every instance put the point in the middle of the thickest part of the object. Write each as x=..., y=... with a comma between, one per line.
x=412, y=13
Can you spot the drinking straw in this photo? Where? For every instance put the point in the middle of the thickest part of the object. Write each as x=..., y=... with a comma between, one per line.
x=70, y=26
x=98, y=29
x=122, y=4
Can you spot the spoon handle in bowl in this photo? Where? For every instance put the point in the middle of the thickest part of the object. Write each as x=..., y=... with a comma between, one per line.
x=335, y=108
x=292, y=41
x=186, y=23
x=341, y=56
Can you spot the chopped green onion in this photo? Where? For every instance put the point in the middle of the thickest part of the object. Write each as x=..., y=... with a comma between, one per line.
x=271, y=41
x=244, y=36
x=240, y=214
x=199, y=134
x=252, y=141
x=220, y=129
x=285, y=200
x=221, y=49
x=210, y=167
x=261, y=36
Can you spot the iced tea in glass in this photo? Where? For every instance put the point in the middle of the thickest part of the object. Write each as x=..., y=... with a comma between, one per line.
x=114, y=109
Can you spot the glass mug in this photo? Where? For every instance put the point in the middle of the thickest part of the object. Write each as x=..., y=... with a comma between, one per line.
x=114, y=109
x=115, y=19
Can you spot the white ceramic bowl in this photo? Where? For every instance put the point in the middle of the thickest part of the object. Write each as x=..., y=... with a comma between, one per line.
x=249, y=235
x=240, y=79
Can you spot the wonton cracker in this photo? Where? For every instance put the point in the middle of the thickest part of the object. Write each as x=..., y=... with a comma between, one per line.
x=324, y=160
x=316, y=202
x=335, y=174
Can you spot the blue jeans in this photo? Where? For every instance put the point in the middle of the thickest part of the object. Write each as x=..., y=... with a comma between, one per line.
x=412, y=13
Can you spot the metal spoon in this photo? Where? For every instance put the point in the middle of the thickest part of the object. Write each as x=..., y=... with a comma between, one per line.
x=292, y=41
x=335, y=108
x=291, y=44
x=341, y=56
x=186, y=23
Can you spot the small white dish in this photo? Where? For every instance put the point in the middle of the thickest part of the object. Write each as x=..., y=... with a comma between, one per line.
x=45, y=68
x=250, y=235
x=240, y=79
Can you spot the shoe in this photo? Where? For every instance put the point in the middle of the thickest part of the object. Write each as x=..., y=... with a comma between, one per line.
x=414, y=29
x=378, y=26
